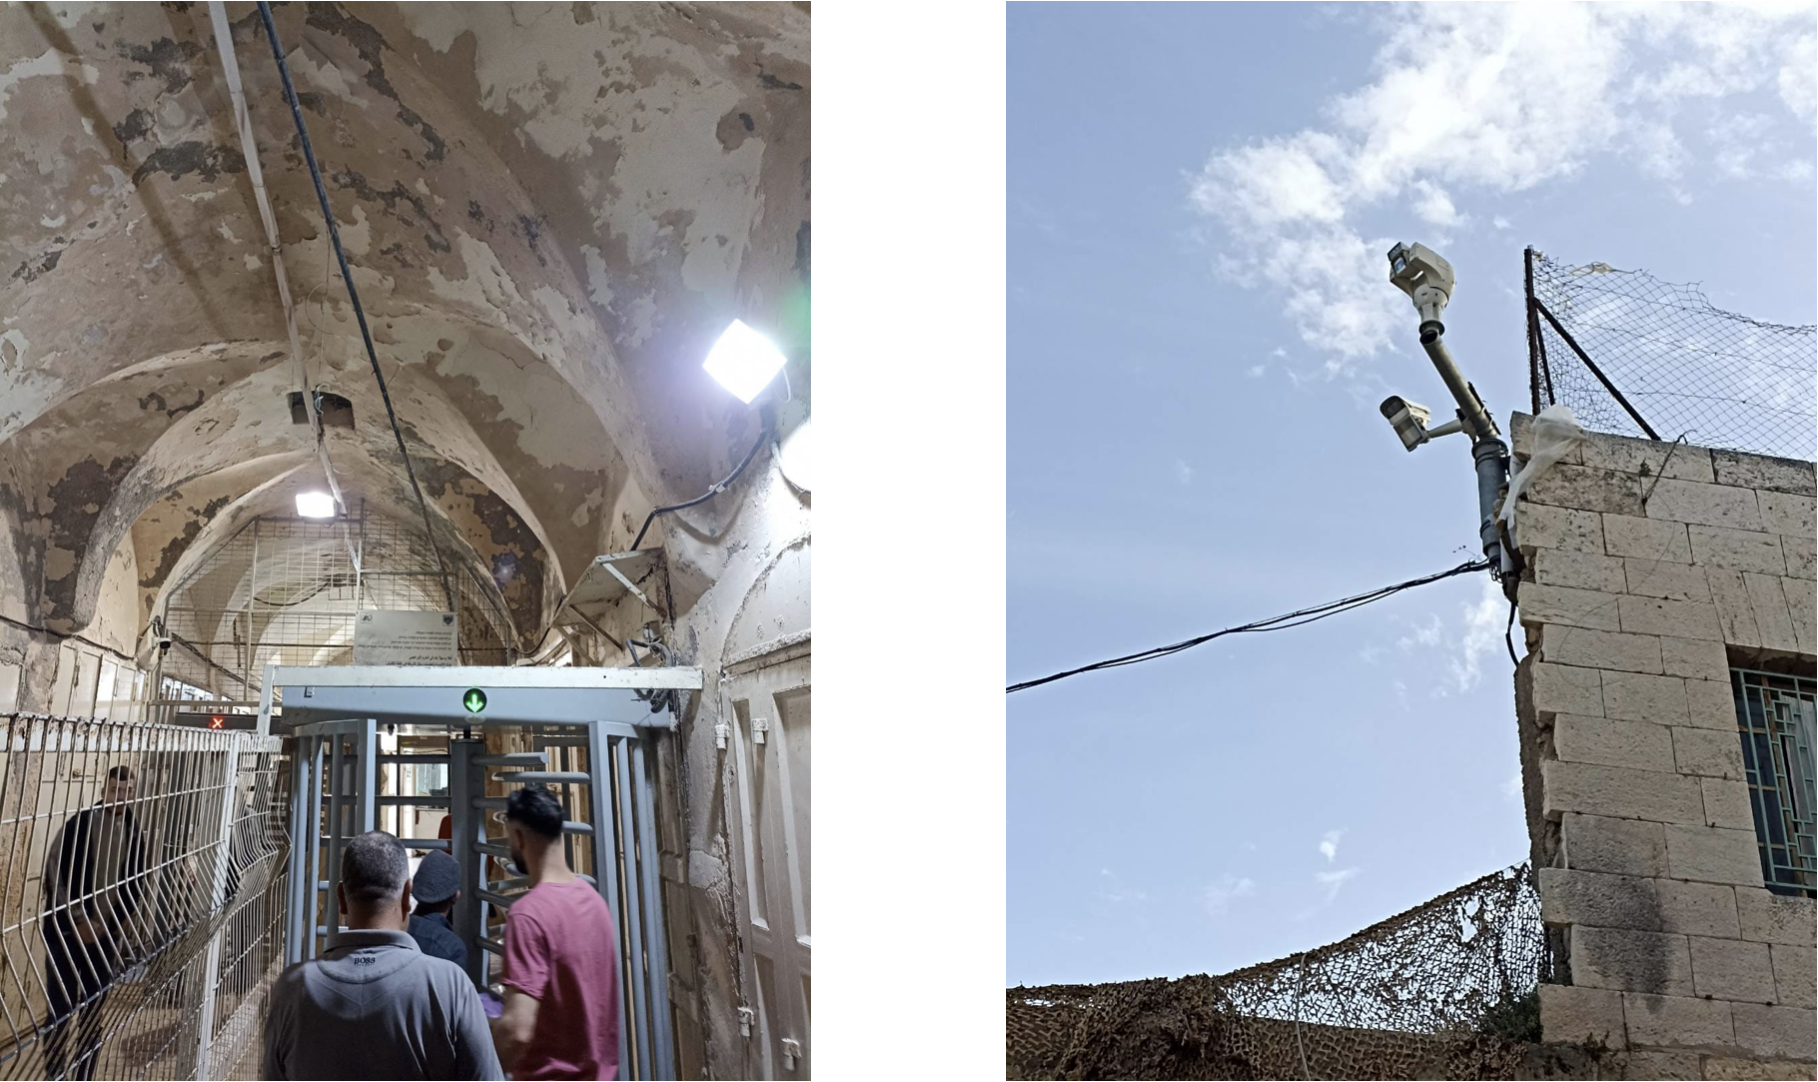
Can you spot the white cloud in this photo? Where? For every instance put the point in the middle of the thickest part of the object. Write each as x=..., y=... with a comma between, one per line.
x=1500, y=222
x=1427, y=634
x=1328, y=844
x=1479, y=98
x=1484, y=624
x=1511, y=789
x=1183, y=473
x=1220, y=894
x=1256, y=370
x=1434, y=206
x=1333, y=882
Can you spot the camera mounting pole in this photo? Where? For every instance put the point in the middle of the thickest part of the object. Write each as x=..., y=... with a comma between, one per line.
x=1419, y=272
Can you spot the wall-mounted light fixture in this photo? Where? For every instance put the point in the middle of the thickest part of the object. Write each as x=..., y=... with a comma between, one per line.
x=315, y=505
x=743, y=361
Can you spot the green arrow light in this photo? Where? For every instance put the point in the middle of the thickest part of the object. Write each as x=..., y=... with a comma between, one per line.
x=474, y=700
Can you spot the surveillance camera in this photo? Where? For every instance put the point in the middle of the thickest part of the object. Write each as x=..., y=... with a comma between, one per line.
x=1409, y=420
x=1418, y=271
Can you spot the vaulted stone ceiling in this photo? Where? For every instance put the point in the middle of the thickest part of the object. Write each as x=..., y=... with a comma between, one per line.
x=551, y=211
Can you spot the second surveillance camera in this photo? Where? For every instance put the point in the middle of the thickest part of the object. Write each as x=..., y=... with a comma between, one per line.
x=1409, y=420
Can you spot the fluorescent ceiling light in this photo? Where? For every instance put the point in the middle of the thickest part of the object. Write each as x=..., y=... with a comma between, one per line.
x=743, y=361
x=315, y=505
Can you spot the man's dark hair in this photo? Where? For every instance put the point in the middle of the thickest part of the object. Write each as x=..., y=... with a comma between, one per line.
x=120, y=773
x=374, y=868
x=537, y=810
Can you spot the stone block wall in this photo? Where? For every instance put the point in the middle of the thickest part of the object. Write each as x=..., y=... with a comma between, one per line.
x=1650, y=571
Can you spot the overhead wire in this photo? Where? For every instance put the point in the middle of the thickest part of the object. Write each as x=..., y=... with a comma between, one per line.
x=1298, y=618
x=353, y=295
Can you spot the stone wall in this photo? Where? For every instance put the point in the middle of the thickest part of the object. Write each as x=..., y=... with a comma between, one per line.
x=1650, y=571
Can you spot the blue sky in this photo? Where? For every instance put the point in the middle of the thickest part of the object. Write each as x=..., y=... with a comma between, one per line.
x=1200, y=329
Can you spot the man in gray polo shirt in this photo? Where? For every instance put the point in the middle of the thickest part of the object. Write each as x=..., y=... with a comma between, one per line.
x=374, y=1006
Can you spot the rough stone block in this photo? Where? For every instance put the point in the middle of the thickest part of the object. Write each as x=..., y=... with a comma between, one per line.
x=1587, y=489
x=1802, y=606
x=1655, y=616
x=1583, y=570
x=1675, y=1021
x=1538, y=526
x=1739, y=550
x=1650, y=1065
x=1735, y=612
x=1700, y=659
x=1705, y=505
x=1631, y=961
x=1564, y=689
x=1629, y=455
x=1626, y=846
x=1541, y=604
x=1772, y=617
x=1640, y=745
x=1785, y=513
x=1593, y=649
x=1779, y=1032
x=1795, y=975
x=1621, y=793
x=1710, y=753
x=1713, y=855
x=1569, y=896
x=1711, y=704
x=1801, y=557
x=1775, y=918
x=1707, y=909
x=1665, y=579
x=1639, y=697
x=1726, y=802
x=1760, y=471
x=1729, y=1067
x=1732, y=969
x=1649, y=539
x=1572, y=1014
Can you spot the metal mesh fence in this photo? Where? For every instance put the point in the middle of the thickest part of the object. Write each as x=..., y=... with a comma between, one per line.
x=284, y=591
x=1444, y=990
x=141, y=897
x=1635, y=356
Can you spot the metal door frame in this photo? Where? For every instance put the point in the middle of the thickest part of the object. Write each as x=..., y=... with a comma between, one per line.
x=595, y=710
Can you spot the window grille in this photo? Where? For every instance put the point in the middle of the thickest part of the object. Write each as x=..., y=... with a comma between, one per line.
x=1777, y=715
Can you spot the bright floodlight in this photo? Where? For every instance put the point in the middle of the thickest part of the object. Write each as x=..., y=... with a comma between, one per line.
x=743, y=361
x=315, y=505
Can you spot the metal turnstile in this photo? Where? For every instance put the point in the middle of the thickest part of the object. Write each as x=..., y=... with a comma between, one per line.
x=591, y=735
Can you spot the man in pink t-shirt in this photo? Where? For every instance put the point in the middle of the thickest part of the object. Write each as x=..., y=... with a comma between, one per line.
x=561, y=1017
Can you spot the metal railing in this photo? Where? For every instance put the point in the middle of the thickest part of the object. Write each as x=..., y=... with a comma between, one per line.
x=141, y=897
x=1776, y=714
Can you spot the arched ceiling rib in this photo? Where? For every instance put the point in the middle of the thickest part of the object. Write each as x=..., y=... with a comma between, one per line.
x=551, y=211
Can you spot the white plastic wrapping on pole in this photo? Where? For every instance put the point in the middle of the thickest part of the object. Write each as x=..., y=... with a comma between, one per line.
x=1555, y=432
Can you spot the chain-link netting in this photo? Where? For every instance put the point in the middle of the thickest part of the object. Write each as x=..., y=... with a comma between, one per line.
x=1629, y=353
x=1444, y=990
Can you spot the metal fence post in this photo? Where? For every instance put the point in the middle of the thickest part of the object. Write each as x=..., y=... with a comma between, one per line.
x=211, y=967
x=605, y=863
x=465, y=829
x=650, y=876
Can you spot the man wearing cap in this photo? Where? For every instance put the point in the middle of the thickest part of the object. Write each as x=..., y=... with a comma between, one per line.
x=436, y=887
x=373, y=1005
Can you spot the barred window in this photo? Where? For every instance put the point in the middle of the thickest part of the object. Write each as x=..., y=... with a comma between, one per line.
x=1777, y=715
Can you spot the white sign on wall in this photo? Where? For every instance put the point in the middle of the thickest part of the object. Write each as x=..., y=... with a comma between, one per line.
x=406, y=638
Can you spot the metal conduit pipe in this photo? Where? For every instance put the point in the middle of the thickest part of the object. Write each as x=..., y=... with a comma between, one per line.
x=249, y=150
x=1488, y=452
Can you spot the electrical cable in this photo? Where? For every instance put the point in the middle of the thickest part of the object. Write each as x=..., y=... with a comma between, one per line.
x=334, y=235
x=715, y=490
x=1274, y=623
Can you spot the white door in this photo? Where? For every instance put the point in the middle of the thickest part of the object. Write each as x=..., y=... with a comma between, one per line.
x=770, y=739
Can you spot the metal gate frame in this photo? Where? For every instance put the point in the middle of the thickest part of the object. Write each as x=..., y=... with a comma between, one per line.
x=335, y=760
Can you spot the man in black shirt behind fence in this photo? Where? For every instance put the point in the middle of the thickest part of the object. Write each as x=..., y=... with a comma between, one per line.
x=94, y=878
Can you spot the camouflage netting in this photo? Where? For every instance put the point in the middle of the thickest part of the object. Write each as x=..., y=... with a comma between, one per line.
x=1444, y=990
